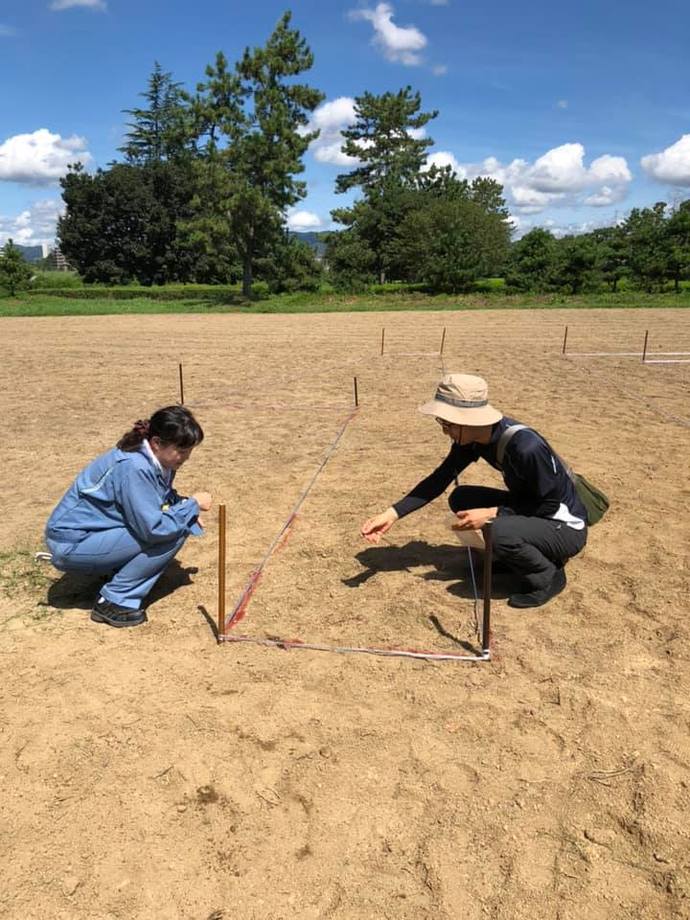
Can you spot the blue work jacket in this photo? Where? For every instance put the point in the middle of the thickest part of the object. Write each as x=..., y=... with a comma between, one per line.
x=123, y=489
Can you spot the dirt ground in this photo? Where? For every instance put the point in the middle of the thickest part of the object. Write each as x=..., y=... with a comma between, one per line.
x=150, y=773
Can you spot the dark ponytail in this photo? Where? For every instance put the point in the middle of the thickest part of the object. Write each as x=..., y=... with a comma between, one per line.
x=173, y=425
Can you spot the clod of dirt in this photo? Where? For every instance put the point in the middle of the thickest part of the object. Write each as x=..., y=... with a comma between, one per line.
x=206, y=795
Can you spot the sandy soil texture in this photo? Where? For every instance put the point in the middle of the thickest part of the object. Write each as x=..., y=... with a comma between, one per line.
x=152, y=774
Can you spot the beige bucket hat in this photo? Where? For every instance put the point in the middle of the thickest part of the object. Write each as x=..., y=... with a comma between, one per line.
x=462, y=399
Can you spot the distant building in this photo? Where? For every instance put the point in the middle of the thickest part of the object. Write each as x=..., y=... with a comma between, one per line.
x=56, y=261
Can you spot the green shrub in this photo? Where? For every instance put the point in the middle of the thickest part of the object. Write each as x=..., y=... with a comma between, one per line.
x=55, y=281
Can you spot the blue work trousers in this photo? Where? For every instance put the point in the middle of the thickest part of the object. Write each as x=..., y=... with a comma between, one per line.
x=136, y=566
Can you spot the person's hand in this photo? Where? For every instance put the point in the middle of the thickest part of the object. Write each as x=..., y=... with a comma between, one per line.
x=475, y=518
x=204, y=500
x=373, y=529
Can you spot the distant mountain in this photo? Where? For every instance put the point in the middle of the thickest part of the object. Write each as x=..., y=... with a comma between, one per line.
x=311, y=238
x=31, y=253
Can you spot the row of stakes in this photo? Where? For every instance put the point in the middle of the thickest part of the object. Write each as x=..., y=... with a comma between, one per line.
x=440, y=354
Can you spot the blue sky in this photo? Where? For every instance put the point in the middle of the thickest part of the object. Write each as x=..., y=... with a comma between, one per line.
x=581, y=110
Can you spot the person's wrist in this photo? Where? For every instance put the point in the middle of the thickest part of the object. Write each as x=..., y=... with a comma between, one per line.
x=392, y=513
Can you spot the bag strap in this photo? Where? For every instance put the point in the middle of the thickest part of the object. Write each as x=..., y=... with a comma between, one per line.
x=504, y=440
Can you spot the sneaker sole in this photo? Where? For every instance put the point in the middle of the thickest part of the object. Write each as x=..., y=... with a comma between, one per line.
x=118, y=624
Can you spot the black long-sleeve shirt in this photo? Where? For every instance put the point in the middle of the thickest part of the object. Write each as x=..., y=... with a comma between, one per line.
x=533, y=474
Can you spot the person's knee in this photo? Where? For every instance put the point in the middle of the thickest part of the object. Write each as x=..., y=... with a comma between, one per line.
x=505, y=536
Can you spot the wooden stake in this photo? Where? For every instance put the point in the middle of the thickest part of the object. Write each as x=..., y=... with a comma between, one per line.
x=221, y=572
x=383, y=339
x=644, y=349
x=181, y=387
x=486, y=588
x=443, y=341
x=356, y=397
x=565, y=339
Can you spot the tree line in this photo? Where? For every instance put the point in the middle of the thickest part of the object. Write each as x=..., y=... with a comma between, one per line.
x=206, y=178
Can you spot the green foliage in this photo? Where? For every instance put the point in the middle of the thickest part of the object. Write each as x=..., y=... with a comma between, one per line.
x=383, y=140
x=291, y=267
x=678, y=237
x=15, y=271
x=120, y=224
x=160, y=131
x=391, y=160
x=448, y=243
x=55, y=280
x=649, y=247
x=574, y=265
x=531, y=262
x=351, y=262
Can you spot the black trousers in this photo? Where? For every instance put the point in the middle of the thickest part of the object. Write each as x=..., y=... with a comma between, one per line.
x=532, y=547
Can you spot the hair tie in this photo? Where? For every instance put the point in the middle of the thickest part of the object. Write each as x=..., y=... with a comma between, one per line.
x=142, y=428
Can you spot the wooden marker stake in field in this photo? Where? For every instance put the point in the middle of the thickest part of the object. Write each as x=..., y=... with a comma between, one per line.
x=383, y=339
x=565, y=339
x=181, y=387
x=443, y=341
x=221, y=572
x=644, y=347
x=356, y=395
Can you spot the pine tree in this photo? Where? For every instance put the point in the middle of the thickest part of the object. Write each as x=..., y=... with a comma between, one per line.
x=161, y=130
x=15, y=271
x=386, y=141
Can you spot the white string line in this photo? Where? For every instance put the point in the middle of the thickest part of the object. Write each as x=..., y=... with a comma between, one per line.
x=253, y=578
x=625, y=354
x=656, y=410
x=290, y=644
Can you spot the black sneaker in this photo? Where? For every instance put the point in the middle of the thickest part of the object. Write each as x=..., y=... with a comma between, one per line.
x=114, y=615
x=541, y=597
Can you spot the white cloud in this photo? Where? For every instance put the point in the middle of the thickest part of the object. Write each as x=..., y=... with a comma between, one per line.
x=443, y=158
x=521, y=227
x=558, y=177
x=562, y=104
x=88, y=4
x=7, y=31
x=304, y=220
x=330, y=118
x=439, y=70
x=439, y=2
x=672, y=165
x=33, y=226
x=40, y=158
x=398, y=43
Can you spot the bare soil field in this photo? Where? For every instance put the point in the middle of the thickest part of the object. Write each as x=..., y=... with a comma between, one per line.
x=150, y=773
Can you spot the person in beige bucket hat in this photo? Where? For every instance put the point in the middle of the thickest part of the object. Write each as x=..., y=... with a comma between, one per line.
x=539, y=522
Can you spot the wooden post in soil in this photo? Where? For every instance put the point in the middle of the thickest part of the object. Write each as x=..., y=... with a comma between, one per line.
x=486, y=588
x=221, y=572
x=181, y=387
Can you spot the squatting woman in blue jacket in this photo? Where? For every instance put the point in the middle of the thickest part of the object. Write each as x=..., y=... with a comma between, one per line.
x=122, y=517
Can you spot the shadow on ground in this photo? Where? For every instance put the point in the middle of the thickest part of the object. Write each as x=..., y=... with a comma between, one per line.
x=451, y=564
x=80, y=591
